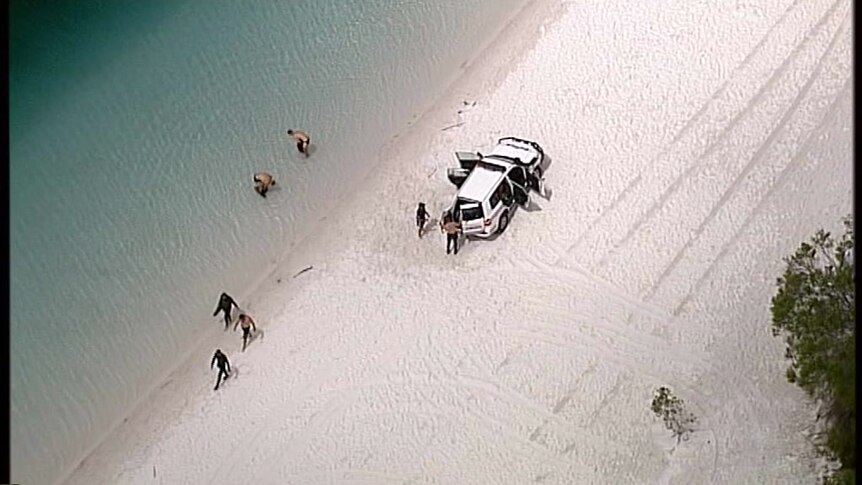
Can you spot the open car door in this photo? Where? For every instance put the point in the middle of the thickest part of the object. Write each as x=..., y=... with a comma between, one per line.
x=457, y=176
x=518, y=177
x=467, y=160
x=522, y=195
x=534, y=182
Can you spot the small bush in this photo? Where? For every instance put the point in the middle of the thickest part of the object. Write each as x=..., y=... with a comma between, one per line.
x=671, y=410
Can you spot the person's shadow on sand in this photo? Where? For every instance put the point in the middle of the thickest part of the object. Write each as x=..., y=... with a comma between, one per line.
x=234, y=375
x=430, y=226
x=253, y=337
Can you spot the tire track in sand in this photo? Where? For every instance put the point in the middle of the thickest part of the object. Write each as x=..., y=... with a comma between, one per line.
x=572, y=274
x=500, y=398
x=783, y=178
x=758, y=160
x=618, y=344
x=699, y=132
x=785, y=69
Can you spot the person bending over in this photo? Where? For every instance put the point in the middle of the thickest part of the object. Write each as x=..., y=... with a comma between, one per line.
x=262, y=182
x=302, y=140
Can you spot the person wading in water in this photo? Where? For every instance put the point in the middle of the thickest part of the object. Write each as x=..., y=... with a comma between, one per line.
x=262, y=182
x=302, y=140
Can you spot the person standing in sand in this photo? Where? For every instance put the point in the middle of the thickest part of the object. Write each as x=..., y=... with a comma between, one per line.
x=302, y=141
x=452, y=229
x=247, y=325
x=225, y=304
x=262, y=182
x=422, y=217
x=223, y=367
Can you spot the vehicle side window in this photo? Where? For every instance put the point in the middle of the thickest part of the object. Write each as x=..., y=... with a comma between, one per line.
x=517, y=176
x=495, y=197
x=506, y=193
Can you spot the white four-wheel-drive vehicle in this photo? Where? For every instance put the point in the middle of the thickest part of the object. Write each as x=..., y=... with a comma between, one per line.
x=490, y=185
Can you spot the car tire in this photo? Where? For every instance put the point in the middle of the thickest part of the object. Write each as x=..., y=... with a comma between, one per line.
x=504, y=222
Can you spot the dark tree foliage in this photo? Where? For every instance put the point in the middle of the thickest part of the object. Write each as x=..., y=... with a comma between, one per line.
x=815, y=311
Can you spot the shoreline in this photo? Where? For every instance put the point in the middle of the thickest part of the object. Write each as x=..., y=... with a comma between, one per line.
x=305, y=242
x=365, y=376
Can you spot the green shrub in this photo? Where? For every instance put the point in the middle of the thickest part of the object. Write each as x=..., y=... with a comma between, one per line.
x=814, y=309
x=671, y=410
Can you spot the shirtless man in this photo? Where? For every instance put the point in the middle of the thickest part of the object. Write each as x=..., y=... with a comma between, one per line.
x=247, y=325
x=262, y=182
x=302, y=140
x=452, y=228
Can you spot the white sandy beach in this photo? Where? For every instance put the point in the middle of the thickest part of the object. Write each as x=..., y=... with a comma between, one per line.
x=693, y=144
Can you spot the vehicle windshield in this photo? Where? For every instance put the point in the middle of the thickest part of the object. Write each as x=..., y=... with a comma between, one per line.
x=492, y=166
x=471, y=211
x=503, y=158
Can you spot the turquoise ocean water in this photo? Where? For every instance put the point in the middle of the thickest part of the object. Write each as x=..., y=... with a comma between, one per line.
x=135, y=129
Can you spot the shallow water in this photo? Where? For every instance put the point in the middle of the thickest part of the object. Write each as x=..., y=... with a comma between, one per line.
x=135, y=129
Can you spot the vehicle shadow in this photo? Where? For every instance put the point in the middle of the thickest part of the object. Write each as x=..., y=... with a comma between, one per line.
x=490, y=238
x=546, y=164
x=533, y=206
